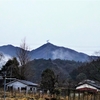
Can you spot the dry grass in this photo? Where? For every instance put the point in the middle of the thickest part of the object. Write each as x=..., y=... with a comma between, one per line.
x=22, y=96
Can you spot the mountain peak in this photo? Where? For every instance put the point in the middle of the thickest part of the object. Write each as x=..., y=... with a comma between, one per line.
x=48, y=50
x=49, y=44
x=52, y=51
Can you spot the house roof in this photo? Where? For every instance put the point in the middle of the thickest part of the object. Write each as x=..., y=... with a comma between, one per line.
x=90, y=82
x=24, y=82
x=28, y=83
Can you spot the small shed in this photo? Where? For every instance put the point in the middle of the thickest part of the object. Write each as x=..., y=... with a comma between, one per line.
x=88, y=85
x=22, y=84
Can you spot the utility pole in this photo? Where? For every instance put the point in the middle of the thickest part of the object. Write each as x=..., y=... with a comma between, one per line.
x=4, y=84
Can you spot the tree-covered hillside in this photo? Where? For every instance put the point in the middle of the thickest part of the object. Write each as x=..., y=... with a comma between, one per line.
x=89, y=71
x=61, y=68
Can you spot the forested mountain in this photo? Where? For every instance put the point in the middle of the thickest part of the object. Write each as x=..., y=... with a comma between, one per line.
x=61, y=68
x=9, y=50
x=48, y=51
x=60, y=59
x=89, y=71
x=77, y=70
x=51, y=51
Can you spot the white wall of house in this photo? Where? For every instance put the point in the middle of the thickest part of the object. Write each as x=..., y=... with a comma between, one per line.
x=17, y=85
x=33, y=89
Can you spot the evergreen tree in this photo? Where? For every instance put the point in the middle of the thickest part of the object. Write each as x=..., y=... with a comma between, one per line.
x=11, y=68
x=48, y=80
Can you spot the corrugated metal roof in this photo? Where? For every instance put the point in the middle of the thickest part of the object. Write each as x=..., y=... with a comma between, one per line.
x=90, y=82
x=28, y=82
x=24, y=82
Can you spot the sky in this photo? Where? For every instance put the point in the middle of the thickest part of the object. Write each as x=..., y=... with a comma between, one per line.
x=74, y=24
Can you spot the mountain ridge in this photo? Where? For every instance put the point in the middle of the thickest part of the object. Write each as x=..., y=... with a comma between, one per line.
x=59, y=52
x=48, y=51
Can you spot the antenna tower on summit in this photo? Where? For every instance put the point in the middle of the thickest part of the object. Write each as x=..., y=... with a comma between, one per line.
x=47, y=41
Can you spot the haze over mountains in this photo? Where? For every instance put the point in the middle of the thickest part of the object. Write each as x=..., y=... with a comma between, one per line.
x=47, y=51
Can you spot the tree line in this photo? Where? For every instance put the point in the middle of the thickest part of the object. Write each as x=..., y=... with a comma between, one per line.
x=90, y=70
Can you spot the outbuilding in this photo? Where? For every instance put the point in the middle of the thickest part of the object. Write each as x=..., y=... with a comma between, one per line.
x=88, y=85
x=22, y=84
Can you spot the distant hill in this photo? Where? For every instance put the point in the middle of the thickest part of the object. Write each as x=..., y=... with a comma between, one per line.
x=61, y=68
x=90, y=70
x=47, y=51
x=9, y=50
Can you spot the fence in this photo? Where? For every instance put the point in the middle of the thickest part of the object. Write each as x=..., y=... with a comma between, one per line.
x=65, y=94
x=80, y=95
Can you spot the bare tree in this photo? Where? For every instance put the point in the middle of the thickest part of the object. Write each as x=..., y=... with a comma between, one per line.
x=23, y=57
x=23, y=53
x=1, y=56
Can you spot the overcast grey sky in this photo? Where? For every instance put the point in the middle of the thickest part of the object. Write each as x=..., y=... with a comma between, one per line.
x=70, y=23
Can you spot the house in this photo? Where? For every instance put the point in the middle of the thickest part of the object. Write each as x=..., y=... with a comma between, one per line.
x=22, y=84
x=88, y=85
